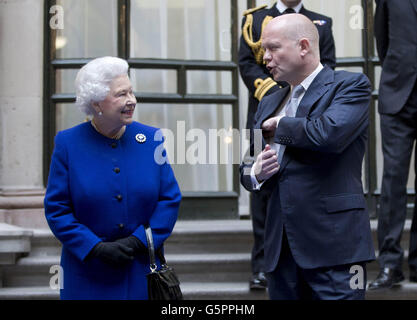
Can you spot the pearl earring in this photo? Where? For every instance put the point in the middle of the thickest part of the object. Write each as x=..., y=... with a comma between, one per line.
x=100, y=113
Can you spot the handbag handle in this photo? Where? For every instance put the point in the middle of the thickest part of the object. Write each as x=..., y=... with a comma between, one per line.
x=151, y=249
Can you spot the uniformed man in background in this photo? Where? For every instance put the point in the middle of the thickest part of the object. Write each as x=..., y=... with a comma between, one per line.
x=260, y=83
x=396, y=42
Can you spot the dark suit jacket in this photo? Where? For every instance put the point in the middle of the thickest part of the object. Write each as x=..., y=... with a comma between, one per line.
x=317, y=193
x=396, y=39
x=250, y=70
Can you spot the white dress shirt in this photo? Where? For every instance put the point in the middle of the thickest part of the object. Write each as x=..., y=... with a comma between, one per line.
x=275, y=146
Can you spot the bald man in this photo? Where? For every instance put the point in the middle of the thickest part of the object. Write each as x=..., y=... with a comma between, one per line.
x=259, y=82
x=317, y=232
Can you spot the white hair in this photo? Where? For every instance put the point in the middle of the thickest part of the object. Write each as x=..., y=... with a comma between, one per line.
x=92, y=83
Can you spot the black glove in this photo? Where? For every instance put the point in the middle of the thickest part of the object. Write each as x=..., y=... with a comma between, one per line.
x=134, y=243
x=113, y=253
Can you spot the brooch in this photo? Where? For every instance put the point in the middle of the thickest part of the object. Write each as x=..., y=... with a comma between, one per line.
x=140, y=137
x=320, y=22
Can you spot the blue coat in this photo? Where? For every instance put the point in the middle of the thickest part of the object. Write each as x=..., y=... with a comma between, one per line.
x=101, y=189
x=317, y=194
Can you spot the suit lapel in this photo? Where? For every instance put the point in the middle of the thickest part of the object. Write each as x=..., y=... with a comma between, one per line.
x=276, y=99
x=414, y=3
x=316, y=90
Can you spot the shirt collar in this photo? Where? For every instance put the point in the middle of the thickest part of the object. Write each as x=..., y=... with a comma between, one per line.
x=307, y=81
x=282, y=7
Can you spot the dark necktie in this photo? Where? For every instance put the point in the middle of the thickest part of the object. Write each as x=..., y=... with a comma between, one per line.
x=289, y=10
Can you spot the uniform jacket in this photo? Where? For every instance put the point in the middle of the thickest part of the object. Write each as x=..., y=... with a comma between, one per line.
x=317, y=193
x=100, y=189
x=396, y=39
x=250, y=70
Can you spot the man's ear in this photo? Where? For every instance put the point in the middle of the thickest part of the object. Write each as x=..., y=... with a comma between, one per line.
x=304, y=46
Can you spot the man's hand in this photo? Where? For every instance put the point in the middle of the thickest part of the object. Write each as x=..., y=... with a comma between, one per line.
x=269, y=126
x=266, y=164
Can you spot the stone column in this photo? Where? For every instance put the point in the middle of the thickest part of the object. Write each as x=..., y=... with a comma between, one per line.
x=21, y=95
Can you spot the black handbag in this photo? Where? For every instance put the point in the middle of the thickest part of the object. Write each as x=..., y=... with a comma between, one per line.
x=163, y=284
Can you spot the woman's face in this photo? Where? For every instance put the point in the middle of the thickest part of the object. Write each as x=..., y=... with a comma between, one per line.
x=119, y=105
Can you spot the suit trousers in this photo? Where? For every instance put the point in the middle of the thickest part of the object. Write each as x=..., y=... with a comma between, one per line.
x=258, y=206
x=290, y=282
x=398, y=133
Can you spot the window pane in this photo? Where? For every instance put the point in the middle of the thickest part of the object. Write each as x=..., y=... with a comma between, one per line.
x=194, y=151
x=68, y=115
x=148, y=80
x=90, y=29
x=181, y=29
x=209, y=82
x=378, y=71
x=64, y=82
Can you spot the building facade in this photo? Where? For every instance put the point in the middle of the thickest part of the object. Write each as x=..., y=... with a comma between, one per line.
x=183, y=56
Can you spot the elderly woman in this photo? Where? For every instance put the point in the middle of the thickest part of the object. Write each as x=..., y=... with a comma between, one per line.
x=106, y=182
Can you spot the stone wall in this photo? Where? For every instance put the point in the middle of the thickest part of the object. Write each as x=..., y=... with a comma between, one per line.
x=21, y=95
